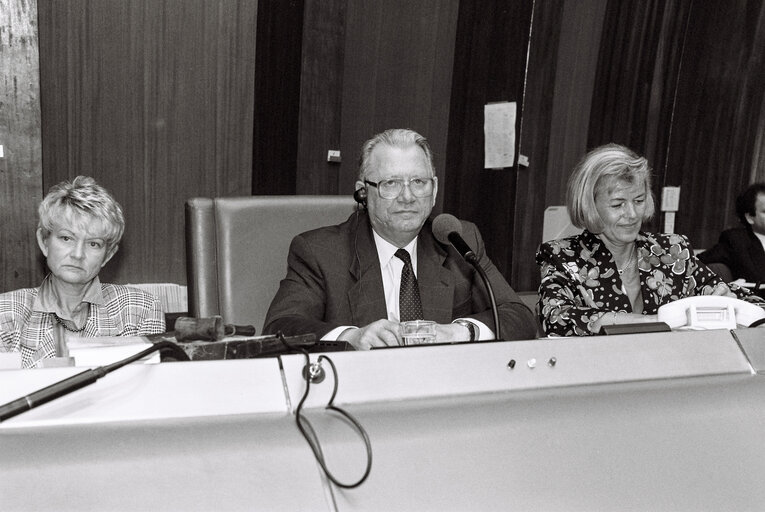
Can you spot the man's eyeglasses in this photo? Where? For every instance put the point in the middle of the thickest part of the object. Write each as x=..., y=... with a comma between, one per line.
x=390, y=189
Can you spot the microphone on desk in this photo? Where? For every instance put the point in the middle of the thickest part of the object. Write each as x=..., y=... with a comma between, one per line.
x=448, y=230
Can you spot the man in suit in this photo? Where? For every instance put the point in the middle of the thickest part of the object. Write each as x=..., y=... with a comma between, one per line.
x=741, y=249
x=344, y=282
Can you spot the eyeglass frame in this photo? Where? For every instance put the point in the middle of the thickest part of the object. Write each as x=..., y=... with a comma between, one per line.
x=433, y=180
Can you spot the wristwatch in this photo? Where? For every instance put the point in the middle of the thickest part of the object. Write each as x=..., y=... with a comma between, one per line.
x=473, y=328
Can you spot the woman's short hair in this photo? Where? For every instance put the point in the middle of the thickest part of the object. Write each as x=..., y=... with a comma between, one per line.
x=82, y=196
x=746, y=201
x=591, y=173
x=397, y=138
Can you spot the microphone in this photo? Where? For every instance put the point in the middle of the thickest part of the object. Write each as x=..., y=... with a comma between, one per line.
x=448, y=230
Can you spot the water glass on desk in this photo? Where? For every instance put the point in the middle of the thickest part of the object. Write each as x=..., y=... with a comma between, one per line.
x=418, y=332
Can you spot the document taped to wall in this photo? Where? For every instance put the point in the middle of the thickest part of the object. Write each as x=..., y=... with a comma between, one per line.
x=499, y=134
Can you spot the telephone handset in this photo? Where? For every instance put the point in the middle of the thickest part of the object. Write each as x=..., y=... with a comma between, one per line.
x=710, y=312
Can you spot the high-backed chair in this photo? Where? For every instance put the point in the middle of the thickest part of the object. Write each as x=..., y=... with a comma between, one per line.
x=236, y=249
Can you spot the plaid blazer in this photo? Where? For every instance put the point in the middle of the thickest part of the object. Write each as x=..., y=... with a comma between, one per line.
x=126, y=311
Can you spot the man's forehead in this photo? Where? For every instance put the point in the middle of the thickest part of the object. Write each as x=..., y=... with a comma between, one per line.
x=402, y=160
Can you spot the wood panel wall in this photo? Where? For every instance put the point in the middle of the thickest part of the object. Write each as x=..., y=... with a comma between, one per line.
x=277, y=97
x=159, y=101
x=556, y=113
x=155, y=100
x=490, y=65
x=718, y=128
x=683, y=83
x=397, y=73
x=21, y=161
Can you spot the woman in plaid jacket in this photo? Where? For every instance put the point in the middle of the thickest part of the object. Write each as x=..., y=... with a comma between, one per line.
x=79, y=230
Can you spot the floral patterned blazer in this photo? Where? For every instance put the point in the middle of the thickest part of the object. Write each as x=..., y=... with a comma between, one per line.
x=579, y=272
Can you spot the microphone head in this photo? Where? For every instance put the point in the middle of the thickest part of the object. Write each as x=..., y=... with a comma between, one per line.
x=445, y=224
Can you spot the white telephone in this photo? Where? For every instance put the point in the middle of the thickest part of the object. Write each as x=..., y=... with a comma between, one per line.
x=709, y=312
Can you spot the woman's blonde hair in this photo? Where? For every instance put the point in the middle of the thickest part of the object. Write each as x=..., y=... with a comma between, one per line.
x=591, y=173
x=82, y=196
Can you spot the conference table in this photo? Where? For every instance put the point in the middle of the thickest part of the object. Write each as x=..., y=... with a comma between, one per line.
x=658, y=421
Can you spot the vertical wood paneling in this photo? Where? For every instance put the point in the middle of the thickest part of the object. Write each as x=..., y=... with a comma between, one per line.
x=535, y=141
x=490, y=65
x=321, y=93
x=636, y=86
x=155, y=100
x=577, y=58
x=561, y=74
x=397, y=74
x=277, y=96
x=718, y=121
x=21, y=165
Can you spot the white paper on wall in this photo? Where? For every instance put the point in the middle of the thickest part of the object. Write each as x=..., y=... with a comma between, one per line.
x=499, y=134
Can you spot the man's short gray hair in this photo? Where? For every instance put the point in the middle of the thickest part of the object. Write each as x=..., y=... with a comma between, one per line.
x=397, y=138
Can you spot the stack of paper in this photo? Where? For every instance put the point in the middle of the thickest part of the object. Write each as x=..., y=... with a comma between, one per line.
x=103, y=350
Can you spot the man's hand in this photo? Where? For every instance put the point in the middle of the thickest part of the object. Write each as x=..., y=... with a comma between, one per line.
x=382, y=333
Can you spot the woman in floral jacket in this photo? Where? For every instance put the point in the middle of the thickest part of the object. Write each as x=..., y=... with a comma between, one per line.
x=613, y=273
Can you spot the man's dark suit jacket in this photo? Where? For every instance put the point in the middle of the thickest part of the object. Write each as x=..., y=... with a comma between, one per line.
x=741, y=251
x=334, y=279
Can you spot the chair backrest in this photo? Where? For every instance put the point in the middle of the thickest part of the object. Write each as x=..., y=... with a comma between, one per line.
x=557, y=224
x=236, y=249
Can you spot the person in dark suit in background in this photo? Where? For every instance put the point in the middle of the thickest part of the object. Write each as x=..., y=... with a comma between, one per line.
x=742, y=249
x=343, y=281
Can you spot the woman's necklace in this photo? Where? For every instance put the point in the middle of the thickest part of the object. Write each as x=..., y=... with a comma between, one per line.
x=63, y=324
x=629, y=266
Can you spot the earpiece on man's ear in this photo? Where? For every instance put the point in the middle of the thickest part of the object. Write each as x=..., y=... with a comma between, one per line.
x=361, y=196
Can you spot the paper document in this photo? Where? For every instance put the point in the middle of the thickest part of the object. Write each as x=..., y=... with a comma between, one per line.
x=499, y=135
x=102, y=350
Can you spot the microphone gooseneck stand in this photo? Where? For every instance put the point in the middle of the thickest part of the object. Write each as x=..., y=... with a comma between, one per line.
x=447, y=229
x=80, y=380
x=473, y=261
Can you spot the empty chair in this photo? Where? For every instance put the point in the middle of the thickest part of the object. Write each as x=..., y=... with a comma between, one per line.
x=236, y=249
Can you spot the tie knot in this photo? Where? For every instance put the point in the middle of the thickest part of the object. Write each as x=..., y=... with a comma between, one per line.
x=403, y=255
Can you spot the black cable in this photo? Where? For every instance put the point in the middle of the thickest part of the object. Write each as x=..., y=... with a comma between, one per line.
x=305, y=427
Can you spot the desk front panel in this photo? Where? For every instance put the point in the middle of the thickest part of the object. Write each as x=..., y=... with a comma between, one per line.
x=242, y=462
x=686, y=444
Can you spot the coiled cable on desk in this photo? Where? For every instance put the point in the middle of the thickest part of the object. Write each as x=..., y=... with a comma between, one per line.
x=305, y=427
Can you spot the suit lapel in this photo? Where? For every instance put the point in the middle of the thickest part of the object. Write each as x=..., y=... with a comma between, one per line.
x=365, y=297
x=435, y=281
